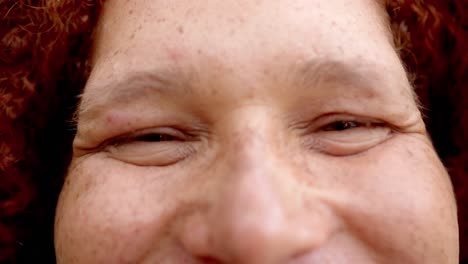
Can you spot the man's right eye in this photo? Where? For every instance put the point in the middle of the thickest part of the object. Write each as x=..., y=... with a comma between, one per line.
x=153, y=148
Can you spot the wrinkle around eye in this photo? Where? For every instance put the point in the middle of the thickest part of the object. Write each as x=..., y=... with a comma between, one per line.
x=160, y=146
x=349, y=141
x=356, y=135
x=151, y=153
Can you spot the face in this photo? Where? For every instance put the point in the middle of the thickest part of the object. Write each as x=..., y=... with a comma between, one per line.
x=251, y=132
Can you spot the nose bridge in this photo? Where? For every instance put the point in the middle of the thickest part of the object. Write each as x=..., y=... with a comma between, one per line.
x=251, y=182
x=253, y=178
x=250, y=149
x=251, y=206
x=257, y=213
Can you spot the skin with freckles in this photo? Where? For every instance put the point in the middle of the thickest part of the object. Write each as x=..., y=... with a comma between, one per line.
x=251, y=132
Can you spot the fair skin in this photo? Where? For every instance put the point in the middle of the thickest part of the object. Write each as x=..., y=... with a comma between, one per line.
x=251, y=132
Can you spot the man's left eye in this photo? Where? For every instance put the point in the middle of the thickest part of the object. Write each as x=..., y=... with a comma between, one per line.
x=345, y=135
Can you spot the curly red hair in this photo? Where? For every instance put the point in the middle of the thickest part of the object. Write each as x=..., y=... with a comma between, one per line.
x=43, y=47
x=43, y=67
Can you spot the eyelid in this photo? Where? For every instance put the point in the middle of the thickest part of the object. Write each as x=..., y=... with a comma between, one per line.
x=130, y=150
x=329, y=119
x=319, y=123
x=134, y=136
x=128, y=137
x=346, y=142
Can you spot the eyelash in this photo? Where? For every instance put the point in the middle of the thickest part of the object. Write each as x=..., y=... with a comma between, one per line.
x=338, y=123
x=328, y=135
x=155, y=137
x=343, y=125
x=336, y=126
x=138, y=148
x=175, y=135
x=342, y=135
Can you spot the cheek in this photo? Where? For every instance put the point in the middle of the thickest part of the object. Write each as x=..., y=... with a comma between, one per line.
x=397, y=198
x=106, y=206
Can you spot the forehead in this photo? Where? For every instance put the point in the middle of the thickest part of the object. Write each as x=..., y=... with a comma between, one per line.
x=240, y=44
x=142, y=33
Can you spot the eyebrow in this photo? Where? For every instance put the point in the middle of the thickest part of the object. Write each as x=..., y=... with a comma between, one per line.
x=133, y=86
x=366, y=77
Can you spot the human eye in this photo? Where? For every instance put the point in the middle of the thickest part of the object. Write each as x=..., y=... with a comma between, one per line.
x=343, y=135
x=153, y=147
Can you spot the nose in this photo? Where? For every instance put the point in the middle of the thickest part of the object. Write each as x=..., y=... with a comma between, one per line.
x=259, y=213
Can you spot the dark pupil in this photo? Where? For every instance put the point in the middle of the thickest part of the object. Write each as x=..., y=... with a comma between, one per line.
x=155, y=138
x=343, y=125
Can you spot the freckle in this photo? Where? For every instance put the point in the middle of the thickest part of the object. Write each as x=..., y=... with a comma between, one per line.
x=130, y=12
x=111, y=119
x=214, y=91
x=410, y=153
x=67, y=183
x=180, y=29
x=86, y=187
x=140, y=27
x=369, y=94
x=137, y=231
x=174, y=54
x=132, y=36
